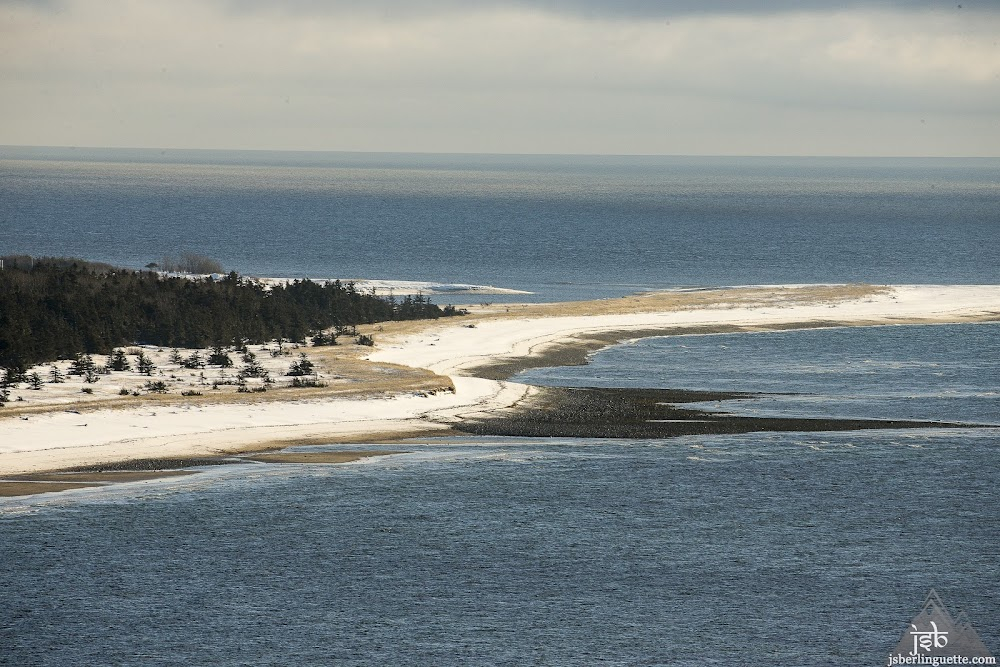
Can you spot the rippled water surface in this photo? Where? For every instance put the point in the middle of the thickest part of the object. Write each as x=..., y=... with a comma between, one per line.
x=754, y=549
x=942, y=372
x=560, y=226
x=763, y=549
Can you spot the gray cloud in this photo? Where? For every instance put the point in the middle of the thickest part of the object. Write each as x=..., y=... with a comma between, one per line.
x=48, y=5
x=622, y=9
x=445, y=76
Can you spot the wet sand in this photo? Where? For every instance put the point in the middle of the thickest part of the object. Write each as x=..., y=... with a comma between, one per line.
x=28, y=485
x=318, y=457
x=651, y=413
x=12, y=489
x=148, y=469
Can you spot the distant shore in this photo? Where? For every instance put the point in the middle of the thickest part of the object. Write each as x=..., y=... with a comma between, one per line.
x=424, y=377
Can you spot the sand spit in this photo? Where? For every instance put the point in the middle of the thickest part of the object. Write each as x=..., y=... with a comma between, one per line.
x=533, y=330
x=11, y=488
x=319, y=457
x=33, y=484
x=390, y=287
x=421, y=377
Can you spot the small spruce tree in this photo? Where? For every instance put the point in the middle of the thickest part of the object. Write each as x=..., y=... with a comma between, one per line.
x=220, y=358
x=119, y=362
x=145, y=364
x=15, y=374
x=321, y=338
x=82, y=364
x=301, y=367
x=194, y=361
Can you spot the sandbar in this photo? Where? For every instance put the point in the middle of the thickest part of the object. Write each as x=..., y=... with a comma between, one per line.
x=14, y=489
x=318, y=457
x=424, y=377
x=32, y=484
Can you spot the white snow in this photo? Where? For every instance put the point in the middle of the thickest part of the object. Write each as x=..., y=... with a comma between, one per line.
x=452, y=350
x=62, y=439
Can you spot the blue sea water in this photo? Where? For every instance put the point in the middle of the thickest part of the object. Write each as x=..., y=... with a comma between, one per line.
x=564, y=227
x=751, y=549
x=808, y=549
x=947, y=373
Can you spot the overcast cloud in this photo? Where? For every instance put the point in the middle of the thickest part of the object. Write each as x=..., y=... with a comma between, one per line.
x=571, y=76
x=644, y=9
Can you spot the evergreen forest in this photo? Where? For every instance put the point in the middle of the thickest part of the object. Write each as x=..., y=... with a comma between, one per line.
x=57, y=308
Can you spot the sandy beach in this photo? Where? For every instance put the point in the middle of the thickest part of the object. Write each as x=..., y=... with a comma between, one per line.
x=421, y=377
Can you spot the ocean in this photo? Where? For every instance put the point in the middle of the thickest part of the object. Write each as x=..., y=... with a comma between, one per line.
x=751, y=549
x=562, y=227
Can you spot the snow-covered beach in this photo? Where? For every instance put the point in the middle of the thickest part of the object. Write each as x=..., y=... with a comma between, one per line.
x=65, y=435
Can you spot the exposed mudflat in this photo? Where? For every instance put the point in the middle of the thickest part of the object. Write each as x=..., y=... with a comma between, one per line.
x=650, y=413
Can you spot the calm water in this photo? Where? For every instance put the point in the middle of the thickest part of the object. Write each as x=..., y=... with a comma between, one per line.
x=564, y=227
x=945, y=373
x=752, y=550
x=756, y=549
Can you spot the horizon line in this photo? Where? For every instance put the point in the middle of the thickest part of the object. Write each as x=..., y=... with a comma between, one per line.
x=164, y=150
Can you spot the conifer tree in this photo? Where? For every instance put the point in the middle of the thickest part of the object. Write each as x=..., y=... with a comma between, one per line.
x=58, y=308
x=144, y=364
x=15, y=373
x=301, y=367
x=220, y=358
x=320, y=338
x=119, y=362
x=194, y=361
x=83, y=364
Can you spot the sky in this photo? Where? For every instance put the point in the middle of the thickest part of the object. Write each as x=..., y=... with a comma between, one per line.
x=673, y=77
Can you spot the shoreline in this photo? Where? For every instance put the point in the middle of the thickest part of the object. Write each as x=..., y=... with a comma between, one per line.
x=577, y=349
x=154, y=469
x=648, y=414
x=476, y=353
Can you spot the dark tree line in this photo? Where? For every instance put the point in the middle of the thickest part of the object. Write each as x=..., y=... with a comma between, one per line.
x=58, y=308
